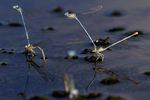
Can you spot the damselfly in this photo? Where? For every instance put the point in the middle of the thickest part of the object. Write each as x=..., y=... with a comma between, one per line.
x=97, y=51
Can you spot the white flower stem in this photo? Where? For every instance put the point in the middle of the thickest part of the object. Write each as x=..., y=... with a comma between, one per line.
x=86, y=32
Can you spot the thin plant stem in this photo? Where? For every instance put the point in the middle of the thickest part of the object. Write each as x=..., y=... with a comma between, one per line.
x=95, y=47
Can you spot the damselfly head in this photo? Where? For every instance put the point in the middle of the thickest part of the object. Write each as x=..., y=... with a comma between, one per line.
x=70, y=15
x=18, y=8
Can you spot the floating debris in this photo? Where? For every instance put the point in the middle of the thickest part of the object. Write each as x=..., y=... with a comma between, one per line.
x=23, y=95
x=39, y=98
x=93, y=59
x=64, y=94
x=132, y=32
x=60, y=94
x=1, y=24
x=102, y=42
x=11, y=51
x=111, y=97
x=116, y=29
x=111, y=80
x=2, y=50
x=87, y=51
x=14, y=24
x=99, y=69
x=48, y=29
x=93, y=95
x=3, y=63
x=58, y=9
x=147, y=73
x=116, y=13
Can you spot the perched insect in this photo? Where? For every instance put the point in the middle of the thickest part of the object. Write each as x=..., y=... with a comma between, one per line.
x=30, y=54
x=97, y=51
x=29, y=48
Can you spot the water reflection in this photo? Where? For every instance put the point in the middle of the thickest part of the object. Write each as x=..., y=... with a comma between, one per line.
x=40, y=68
x=112, y=76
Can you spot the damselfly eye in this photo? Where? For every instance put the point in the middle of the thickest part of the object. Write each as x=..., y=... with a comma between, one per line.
x=17, y=7
x=70, y=15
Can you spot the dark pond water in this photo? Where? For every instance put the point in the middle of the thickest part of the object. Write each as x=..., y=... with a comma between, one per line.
x=57, y=35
